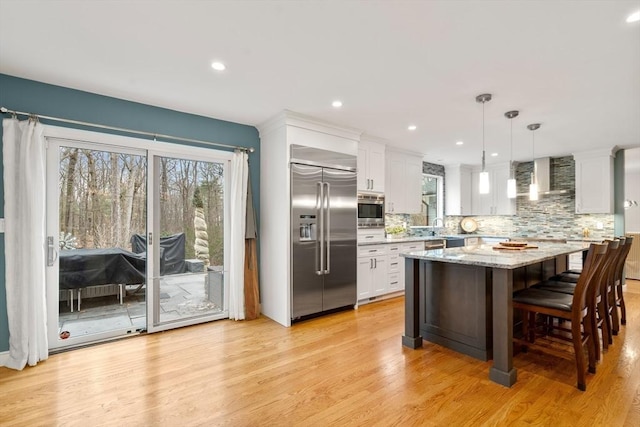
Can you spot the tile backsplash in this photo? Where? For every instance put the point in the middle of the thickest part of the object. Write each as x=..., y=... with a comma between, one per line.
x=552, y=216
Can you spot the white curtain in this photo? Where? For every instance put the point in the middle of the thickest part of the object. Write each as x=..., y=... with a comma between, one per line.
x=238, y=208
x=23, y=149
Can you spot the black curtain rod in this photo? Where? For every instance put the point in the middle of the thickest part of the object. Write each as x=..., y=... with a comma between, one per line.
x=5, y=110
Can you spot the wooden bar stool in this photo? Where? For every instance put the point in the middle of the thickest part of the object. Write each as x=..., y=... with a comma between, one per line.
x=574, y=308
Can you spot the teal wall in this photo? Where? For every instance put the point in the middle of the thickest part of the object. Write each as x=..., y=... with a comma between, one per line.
x=39, y=98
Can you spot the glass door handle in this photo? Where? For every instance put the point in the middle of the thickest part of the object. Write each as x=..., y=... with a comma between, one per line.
x=52, y=254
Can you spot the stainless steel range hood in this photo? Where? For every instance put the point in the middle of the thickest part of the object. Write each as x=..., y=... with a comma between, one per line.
x=542, y=168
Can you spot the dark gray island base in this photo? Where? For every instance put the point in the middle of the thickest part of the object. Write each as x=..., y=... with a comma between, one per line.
x=460, y=298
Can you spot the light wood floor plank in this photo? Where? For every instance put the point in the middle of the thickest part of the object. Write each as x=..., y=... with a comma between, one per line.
x=344, y=369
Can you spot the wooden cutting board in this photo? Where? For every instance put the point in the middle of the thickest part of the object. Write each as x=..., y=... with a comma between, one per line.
x=514, y=248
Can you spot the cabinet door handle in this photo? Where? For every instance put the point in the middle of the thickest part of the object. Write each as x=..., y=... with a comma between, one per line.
x=370, y=263
x=375, y=262
x=372, y=184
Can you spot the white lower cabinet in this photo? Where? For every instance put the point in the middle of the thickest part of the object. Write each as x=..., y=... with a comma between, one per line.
x=396, y=274
x=372, y=271
x=396, y=270
x=381, y=268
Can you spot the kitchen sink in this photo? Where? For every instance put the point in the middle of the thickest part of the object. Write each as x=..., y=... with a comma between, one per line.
x=454, y=242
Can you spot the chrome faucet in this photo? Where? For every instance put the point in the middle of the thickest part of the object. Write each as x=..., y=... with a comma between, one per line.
x=434, y=224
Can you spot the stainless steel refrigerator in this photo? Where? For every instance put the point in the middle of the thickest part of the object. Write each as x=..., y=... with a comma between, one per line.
x=323, y=231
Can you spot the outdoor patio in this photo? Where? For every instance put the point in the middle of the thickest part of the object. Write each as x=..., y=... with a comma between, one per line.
x=181, y=296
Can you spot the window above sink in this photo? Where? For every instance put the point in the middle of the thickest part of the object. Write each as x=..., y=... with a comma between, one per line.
x=432, y=211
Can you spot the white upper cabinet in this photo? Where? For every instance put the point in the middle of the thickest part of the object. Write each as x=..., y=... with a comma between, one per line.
x=502, y=204
x=594, y=182
x=496, y=202
x=394, y=194
x=413, y=184
x=371, y=166
x=457, y=190
x=481, y=204
x=403, y=188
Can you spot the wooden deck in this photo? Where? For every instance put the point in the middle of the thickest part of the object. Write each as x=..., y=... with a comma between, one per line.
x=181, y=296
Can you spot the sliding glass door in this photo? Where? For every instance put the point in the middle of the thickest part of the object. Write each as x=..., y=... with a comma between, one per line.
x=188, y=240
x=136, y=237
x=96, y=201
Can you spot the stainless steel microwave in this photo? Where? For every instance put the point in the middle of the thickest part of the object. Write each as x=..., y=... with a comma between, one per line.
x=370, y=210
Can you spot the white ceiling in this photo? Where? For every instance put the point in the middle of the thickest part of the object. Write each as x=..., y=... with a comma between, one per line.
x=573, y=66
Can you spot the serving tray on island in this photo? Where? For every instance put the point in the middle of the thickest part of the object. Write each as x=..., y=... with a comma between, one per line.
x=514, y=246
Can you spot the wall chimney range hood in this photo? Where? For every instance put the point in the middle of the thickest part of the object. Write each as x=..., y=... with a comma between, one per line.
x=542, y=168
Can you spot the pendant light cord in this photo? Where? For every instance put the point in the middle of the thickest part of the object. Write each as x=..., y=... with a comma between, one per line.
x=511, y=149
x=533, y=145
x=533, y=128
x=483, y=161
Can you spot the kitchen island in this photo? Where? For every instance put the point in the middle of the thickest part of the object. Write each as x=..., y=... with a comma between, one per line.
x=461, y=297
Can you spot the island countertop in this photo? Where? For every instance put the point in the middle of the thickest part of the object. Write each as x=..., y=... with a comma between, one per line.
x=486, y=256
x=461, y=298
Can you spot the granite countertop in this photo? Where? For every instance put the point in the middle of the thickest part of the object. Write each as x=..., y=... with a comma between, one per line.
x=486, y=256
x=479, y=236
x=409, y=239
x=404, y=239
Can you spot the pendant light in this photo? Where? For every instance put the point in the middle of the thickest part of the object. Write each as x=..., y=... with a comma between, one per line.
x=484, y=186
x=511, y=182
x=533, y=187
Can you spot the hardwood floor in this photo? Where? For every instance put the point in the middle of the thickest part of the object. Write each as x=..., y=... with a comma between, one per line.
x=345, y=369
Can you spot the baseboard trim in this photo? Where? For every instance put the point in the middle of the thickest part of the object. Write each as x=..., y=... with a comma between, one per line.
x=4, y=358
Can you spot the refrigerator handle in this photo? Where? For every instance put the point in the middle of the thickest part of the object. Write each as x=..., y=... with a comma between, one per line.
x=327, y=242
x=320, y=217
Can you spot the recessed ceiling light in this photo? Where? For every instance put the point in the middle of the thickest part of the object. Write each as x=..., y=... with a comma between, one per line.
x=336, y=104
x=494, y=154
x=460, y=143
x=218, y=66
x=634, y=17
x=412, y=127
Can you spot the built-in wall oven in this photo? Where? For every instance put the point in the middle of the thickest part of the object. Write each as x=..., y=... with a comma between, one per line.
x=370, y=210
